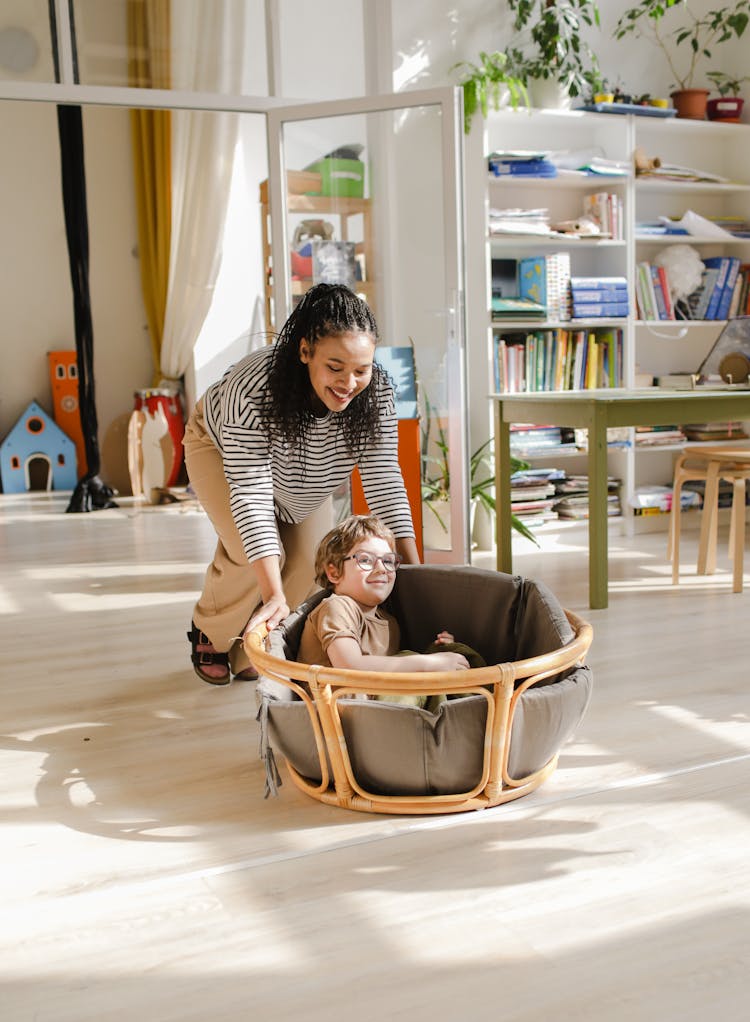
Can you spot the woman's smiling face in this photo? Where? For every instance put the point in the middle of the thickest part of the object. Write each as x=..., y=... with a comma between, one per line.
x=340, y=367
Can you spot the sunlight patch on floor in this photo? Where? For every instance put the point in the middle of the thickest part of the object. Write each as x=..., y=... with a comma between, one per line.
x=86, y=603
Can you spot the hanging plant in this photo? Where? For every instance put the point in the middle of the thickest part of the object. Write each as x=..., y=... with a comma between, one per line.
x=488, y=83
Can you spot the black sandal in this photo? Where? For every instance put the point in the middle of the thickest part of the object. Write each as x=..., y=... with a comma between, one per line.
x=204, y=658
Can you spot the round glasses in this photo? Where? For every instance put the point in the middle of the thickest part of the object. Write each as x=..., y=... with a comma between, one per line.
x=367, y=561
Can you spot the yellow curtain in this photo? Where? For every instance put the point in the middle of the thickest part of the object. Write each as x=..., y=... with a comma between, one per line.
x=149, y=67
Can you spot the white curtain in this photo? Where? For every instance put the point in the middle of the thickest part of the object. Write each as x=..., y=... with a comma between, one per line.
x=208, y=48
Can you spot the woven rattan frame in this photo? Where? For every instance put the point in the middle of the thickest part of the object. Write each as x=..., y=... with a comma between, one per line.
x=501, y=685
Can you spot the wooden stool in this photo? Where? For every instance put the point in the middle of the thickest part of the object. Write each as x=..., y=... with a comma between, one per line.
x=711, y=464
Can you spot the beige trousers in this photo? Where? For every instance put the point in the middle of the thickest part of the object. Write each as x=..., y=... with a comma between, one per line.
x=230, y=590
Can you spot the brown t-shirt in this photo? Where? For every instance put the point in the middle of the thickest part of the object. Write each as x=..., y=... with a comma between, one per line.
x=337, y=617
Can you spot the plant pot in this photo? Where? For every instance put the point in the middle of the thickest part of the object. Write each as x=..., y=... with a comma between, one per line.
x=482, y=526
x=727, y=108
x=548, y=94
x=436, y=524
x=604, y=97
x=691, y=103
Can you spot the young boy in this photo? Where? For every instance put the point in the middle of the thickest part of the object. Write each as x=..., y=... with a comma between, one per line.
x=349, y=629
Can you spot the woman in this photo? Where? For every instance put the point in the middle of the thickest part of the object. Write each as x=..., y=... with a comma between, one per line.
x=265, y=449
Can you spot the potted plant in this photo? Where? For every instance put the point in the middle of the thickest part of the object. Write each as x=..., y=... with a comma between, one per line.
x=489, y=81
x=436, y=485
x=600, y=90
x=555, y=52
x=729, y=106
x=701, y=33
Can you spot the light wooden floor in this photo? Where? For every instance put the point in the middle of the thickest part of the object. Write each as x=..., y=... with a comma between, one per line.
x=145, y=878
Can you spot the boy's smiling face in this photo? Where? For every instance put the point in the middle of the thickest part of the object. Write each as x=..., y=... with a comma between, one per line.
x=368, y=587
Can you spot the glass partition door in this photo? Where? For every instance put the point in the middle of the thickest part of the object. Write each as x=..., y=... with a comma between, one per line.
x=369, y=193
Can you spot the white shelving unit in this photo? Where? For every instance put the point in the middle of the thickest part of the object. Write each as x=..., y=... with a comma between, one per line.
x=653, y=347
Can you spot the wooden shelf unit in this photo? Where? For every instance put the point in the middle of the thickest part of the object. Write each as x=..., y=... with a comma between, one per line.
x=649, y=347
x=344, y=209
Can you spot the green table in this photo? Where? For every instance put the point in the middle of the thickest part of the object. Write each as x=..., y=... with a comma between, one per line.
x=595, y=411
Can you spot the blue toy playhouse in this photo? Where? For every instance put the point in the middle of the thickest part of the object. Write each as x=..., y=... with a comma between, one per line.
x=37, y=437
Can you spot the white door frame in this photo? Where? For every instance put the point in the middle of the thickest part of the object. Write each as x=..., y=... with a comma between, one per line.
x=450, y=101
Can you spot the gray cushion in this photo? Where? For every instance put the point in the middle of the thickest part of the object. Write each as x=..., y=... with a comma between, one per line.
x=409, y=751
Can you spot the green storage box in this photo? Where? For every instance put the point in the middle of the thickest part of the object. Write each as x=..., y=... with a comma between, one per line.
x=340, y=178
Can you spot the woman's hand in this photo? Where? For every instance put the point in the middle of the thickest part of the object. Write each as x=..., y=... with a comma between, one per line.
x=272, y=612
x=274, y=608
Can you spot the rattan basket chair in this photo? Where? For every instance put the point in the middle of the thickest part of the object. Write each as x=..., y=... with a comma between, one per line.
x=497, y=743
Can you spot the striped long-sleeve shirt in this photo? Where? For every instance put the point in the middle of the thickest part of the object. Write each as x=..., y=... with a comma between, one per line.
x=269, y=479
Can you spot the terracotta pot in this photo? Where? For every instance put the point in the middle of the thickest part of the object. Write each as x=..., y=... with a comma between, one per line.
x=728, y=108
x=691, y=103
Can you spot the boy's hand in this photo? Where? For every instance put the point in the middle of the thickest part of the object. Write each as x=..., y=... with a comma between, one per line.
x=444, y=638
x=446, y=662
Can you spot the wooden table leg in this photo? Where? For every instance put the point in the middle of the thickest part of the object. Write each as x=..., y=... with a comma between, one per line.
x=502, y=492
x=738, y=532
x=598, y=554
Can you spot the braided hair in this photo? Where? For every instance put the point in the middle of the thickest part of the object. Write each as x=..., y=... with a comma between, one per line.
x=326, y=310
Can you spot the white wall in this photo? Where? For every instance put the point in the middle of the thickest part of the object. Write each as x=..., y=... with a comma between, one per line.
x=431, y=35
x=35, y=287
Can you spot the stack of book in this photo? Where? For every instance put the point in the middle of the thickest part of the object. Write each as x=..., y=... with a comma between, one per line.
x=573, y=497
x=726, y=492
x=714, y=431
x=599, y=297
x=513, y=307
x=652, y=292
x=531, y=499
x=546, y=279
x=657, y=500
x=520, y=164
x=527, y=439
x=519, y=221
x=658, y=436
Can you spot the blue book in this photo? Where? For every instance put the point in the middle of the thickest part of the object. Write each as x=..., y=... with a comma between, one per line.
x=594, y=310
x=726, y=294
x=398, y=362
x=598, y=283
x=706, y=289
x=617, y=293
x=532, y=279
x=721, y=263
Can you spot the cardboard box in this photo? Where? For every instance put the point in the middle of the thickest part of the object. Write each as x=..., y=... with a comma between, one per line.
x=339, y=178
x=298, y=182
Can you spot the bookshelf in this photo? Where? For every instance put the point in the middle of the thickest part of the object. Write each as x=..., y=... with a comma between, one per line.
x=649, y=347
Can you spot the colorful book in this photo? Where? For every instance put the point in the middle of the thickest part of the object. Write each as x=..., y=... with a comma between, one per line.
x=661, y=307
x=532, y=279
x=557, y=270
x=666, y=292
